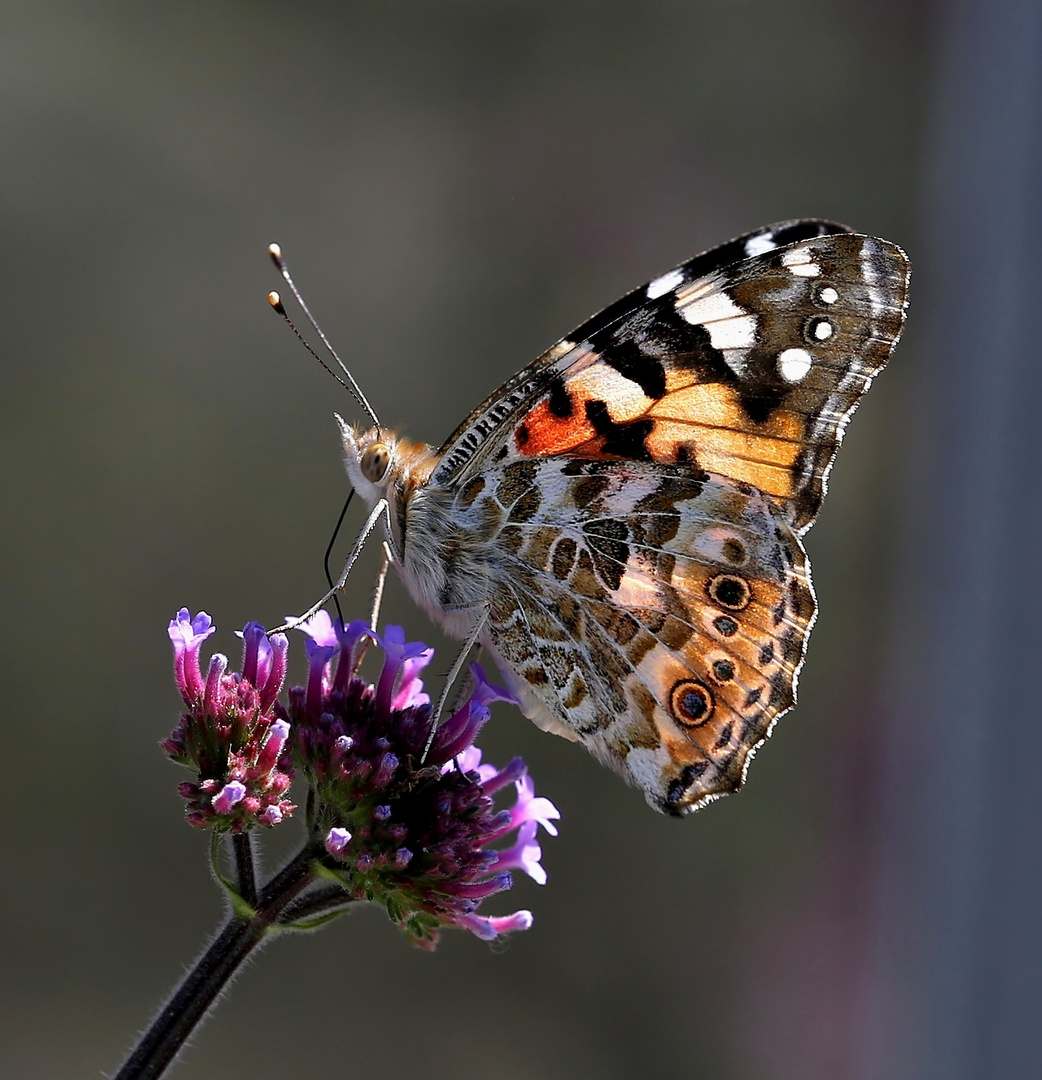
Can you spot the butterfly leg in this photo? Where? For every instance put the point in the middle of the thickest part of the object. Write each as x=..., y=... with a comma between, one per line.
x=374, y=611
x=484, y=607
x=378, y=591
x=378, y=511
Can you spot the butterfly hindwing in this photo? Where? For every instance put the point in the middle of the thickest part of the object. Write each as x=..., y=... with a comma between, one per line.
x=658, y=617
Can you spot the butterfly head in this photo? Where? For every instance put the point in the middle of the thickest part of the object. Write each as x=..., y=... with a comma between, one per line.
x=369, y=458
x=380, y=465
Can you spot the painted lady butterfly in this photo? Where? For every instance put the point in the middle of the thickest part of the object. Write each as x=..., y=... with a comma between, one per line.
x=619, y=524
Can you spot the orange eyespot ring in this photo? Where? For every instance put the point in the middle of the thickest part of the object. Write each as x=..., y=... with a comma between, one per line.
x=729, y=591
x=691, y=703
x=376, y=460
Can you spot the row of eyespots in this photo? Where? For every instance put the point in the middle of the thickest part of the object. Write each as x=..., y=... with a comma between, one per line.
x=690, y=701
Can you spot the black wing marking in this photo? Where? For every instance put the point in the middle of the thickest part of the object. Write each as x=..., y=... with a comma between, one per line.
x=512, y=397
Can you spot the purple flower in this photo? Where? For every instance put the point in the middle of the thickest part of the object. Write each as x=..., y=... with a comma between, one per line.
x=230, y=795
x=264, y=661
x=491, y=928
x=528, y=808
x=230, y=735
x=398, y=816
x=401, y=657
x=187, y=635
x=324, y=642
x=524, y=855
x=337, y=841
x=412, y=833
x=459, y=731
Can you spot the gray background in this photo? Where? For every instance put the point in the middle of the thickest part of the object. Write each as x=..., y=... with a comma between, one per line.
x=457, y=184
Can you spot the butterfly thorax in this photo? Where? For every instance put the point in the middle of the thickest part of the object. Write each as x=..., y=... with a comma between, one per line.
x=442, y=566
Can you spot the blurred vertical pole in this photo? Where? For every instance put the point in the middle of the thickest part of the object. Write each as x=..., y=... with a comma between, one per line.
x=958, y=986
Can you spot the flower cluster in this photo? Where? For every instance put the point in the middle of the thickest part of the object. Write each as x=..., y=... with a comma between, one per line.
x=409, y=825
x=398, y=815
x=230, y=735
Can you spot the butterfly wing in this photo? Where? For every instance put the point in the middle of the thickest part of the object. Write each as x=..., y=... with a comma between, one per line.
x=515, y=395
x=749, y=370
x=656, y=616
x=642, y=488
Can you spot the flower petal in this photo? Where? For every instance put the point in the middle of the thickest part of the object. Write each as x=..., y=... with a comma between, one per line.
x=529, y=808
x=233, y=792
x=337, y=841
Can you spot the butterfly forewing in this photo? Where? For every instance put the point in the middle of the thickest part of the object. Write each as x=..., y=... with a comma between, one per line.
x=513, y=395
x=750, y=371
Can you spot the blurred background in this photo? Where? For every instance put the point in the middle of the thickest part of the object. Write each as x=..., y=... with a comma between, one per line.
x=456, y=185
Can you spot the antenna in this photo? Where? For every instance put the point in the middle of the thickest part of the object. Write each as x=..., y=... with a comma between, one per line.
x=276, y=302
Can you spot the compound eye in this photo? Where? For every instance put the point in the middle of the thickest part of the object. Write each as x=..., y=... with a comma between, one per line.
x=376, y=460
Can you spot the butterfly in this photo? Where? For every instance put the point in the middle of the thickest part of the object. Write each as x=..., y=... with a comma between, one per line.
x=620, y=523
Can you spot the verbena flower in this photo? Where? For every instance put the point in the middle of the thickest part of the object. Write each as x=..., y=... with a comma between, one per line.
x=406, y=825
x=231, y=736
x=409, y=831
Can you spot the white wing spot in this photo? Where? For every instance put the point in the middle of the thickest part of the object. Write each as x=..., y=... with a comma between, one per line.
x=828, y=295
x=793, y=364
x=736, y=333
x=662, y=285
x=801, y=263
x=649, y=768
x=823, y=330
x=729, y=326
x=561, y=352
x=757, y=245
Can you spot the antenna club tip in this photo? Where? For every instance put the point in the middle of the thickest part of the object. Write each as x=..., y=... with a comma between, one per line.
x=276, y=302
x=275, y=251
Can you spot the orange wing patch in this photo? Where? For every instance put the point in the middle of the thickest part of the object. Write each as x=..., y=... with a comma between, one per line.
x=560, y=423
x=707, y=424
x=598, y=413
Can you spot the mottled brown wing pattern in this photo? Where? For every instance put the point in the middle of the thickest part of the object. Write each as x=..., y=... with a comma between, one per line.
x=657, y=616
x=751, y=372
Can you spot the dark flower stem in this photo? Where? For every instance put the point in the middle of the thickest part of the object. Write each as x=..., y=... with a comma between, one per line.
x=318, y=904
x=234, y=942
x=245, y=867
